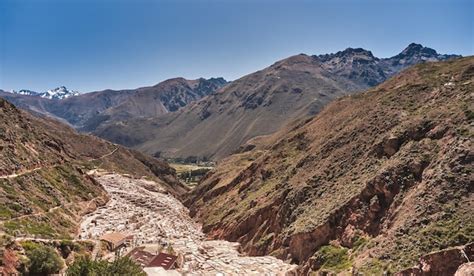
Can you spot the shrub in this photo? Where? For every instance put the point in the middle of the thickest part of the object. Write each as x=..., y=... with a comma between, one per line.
x=68, y=246
x=84, y=266
x=124, y=266
x=43, y=260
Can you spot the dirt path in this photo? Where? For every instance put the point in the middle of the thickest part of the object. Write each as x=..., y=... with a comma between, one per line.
x=17, y=174
x=156, y=218
x=103, y=156
x=13, y=175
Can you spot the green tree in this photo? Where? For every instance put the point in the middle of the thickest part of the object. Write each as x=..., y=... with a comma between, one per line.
x=84, y=266
x=43, y=260
x=125, y=266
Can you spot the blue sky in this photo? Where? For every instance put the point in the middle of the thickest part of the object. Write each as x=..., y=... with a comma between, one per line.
x=92, y=45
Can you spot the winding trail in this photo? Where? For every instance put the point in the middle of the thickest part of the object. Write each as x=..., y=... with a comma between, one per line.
x=104, y=156
x=14, y=175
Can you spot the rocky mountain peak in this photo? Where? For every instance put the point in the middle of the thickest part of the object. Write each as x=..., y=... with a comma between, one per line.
x=415, y=53
x=59, y=93
x=415, y=49
x=26, y=92
x=357, y=64
x=219, y=81
x=292, y=60
x=355, y=51
x=347, y=55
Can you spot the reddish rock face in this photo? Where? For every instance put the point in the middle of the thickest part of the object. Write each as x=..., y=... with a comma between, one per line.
x=442, y=263
x=9, y=263
x=454, y=261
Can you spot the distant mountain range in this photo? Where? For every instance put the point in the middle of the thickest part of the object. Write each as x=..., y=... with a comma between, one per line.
x=88, y=110
x=210, y=118
x=261, y=103
x=58, y=93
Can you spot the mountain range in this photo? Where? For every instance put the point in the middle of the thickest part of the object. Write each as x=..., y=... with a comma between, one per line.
x=209, y=119
x=86, y=111
x=338, y=163
x=260, y=103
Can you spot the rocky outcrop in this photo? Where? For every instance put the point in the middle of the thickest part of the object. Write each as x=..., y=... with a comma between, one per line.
x=454, y=261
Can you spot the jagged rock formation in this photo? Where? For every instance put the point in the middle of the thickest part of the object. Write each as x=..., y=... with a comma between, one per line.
x=261, y=103
x=44, y=188
x=372, y=182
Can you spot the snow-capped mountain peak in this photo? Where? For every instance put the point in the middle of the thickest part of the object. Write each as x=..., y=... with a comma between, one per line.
x=26, y=92
x=58, y=93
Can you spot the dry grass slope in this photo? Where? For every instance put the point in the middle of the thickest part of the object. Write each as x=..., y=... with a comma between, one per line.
x=376, y=179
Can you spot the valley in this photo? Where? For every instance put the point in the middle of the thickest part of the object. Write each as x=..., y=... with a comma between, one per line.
x=320, y=164
x=155, y=219
x=192, y=173
x=235, y=138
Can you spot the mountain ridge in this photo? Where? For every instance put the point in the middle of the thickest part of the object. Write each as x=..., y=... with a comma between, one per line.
x=258, y=104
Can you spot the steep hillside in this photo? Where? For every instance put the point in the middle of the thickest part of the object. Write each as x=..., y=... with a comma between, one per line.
x=44, y=188
x=261, y=103
x=372, y=182
x=88, y=111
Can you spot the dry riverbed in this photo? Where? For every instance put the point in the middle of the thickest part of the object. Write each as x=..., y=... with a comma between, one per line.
x=139, y=207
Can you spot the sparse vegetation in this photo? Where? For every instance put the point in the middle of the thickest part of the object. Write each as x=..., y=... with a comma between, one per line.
x=333, y=258
x=334, y=176
x=29, y=227
x=191, y=173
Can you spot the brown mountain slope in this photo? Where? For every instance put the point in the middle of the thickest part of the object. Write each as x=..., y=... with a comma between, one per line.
x=254, y=105
x=372, y=182
x=44, y=188
x=87, y=111
x=261, y=103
